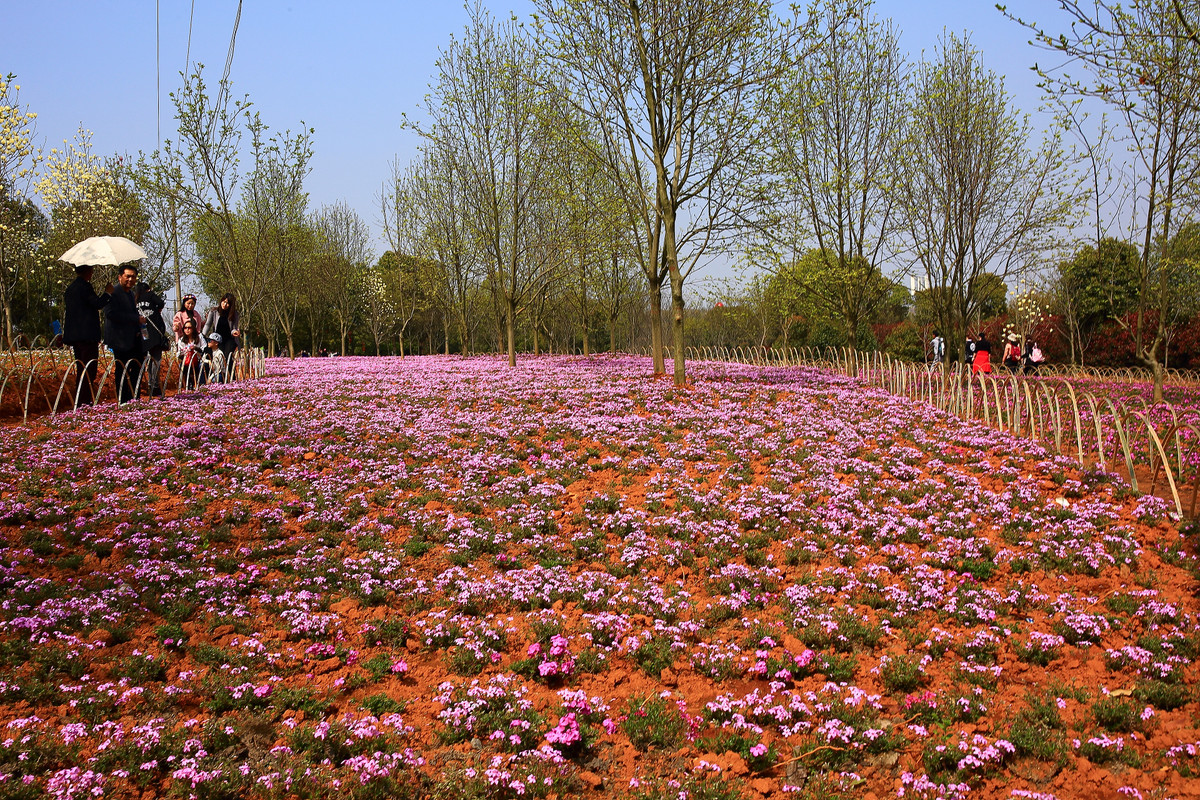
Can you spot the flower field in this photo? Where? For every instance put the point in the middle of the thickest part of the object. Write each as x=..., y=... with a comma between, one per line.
x=444, y=577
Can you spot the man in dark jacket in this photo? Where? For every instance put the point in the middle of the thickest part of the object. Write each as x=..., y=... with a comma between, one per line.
x=123, y=333
x=150, y=307
x=81, y=328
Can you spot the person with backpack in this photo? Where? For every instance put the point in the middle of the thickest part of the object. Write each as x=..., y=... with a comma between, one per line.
x=937, y=348
x=1012, y=353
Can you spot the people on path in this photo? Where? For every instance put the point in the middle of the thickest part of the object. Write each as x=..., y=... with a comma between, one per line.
x=189, y=347
x=123, y=333
x=1012, y=353
x=224, y=320
x=81, y=329
x=937, y=347
x=982, y=361
x=1034, y=357
x=969, y=350
x=150, y=307
x=187, y=310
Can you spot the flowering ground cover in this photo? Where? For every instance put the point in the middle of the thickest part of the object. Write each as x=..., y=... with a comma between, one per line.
x=445, y=577
x=1176, y=421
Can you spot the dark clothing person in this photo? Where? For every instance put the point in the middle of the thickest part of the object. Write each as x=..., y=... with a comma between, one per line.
x=224, y=321
x=150, y=306
x=123, y=335
x=81, y=331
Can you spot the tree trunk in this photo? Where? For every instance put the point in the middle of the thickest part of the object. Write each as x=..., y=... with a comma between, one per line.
x=677, y=325
x=8, y=324
x=656, y=338
x=511, y=331
x=671, y=253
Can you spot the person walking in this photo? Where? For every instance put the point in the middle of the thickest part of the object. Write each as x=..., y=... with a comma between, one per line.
x=224, y=320
x=81, y=329
x=123, y=333
x=150, y=307
x=983, y=355
x=1012, y=353
x=937, y=347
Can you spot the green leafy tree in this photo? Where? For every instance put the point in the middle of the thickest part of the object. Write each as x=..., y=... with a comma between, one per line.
x=1094, y=286
x=850, y=291
x=1142, y=59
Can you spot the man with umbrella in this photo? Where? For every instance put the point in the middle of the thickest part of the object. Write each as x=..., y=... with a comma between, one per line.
x=81, y=328
x=122, y=329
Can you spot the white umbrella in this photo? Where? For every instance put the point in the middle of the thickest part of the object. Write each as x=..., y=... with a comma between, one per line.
x=96, y=250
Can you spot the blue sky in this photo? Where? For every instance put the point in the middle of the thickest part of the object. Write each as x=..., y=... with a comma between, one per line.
x=348, y=68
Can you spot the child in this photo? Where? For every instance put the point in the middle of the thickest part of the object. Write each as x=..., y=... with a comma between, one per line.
x=213, y=361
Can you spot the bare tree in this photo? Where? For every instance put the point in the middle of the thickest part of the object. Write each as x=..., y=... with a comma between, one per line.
x=278, y=202
x=833, y=161
x=493, y=115
x=411, y=217
x=976, y=203
x=425, y=206
x=343, y=257
x=673, y=88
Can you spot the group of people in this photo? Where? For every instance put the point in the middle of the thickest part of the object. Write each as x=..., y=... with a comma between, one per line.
x=978, y=353
x=134, y=331
x=205, y=348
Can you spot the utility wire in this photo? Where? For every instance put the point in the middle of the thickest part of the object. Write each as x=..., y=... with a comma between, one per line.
x=158, y=69
x=187, y=59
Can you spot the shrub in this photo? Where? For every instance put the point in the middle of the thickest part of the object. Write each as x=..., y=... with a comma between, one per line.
x=654, y=721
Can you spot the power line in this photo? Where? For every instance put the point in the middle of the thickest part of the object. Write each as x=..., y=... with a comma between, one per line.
x=223, y=90
x=232, y=41
x=187, y=59
x=158, y=69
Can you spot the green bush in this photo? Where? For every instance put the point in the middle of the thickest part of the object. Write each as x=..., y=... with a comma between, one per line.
x=905, y=343
x=826, y=334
